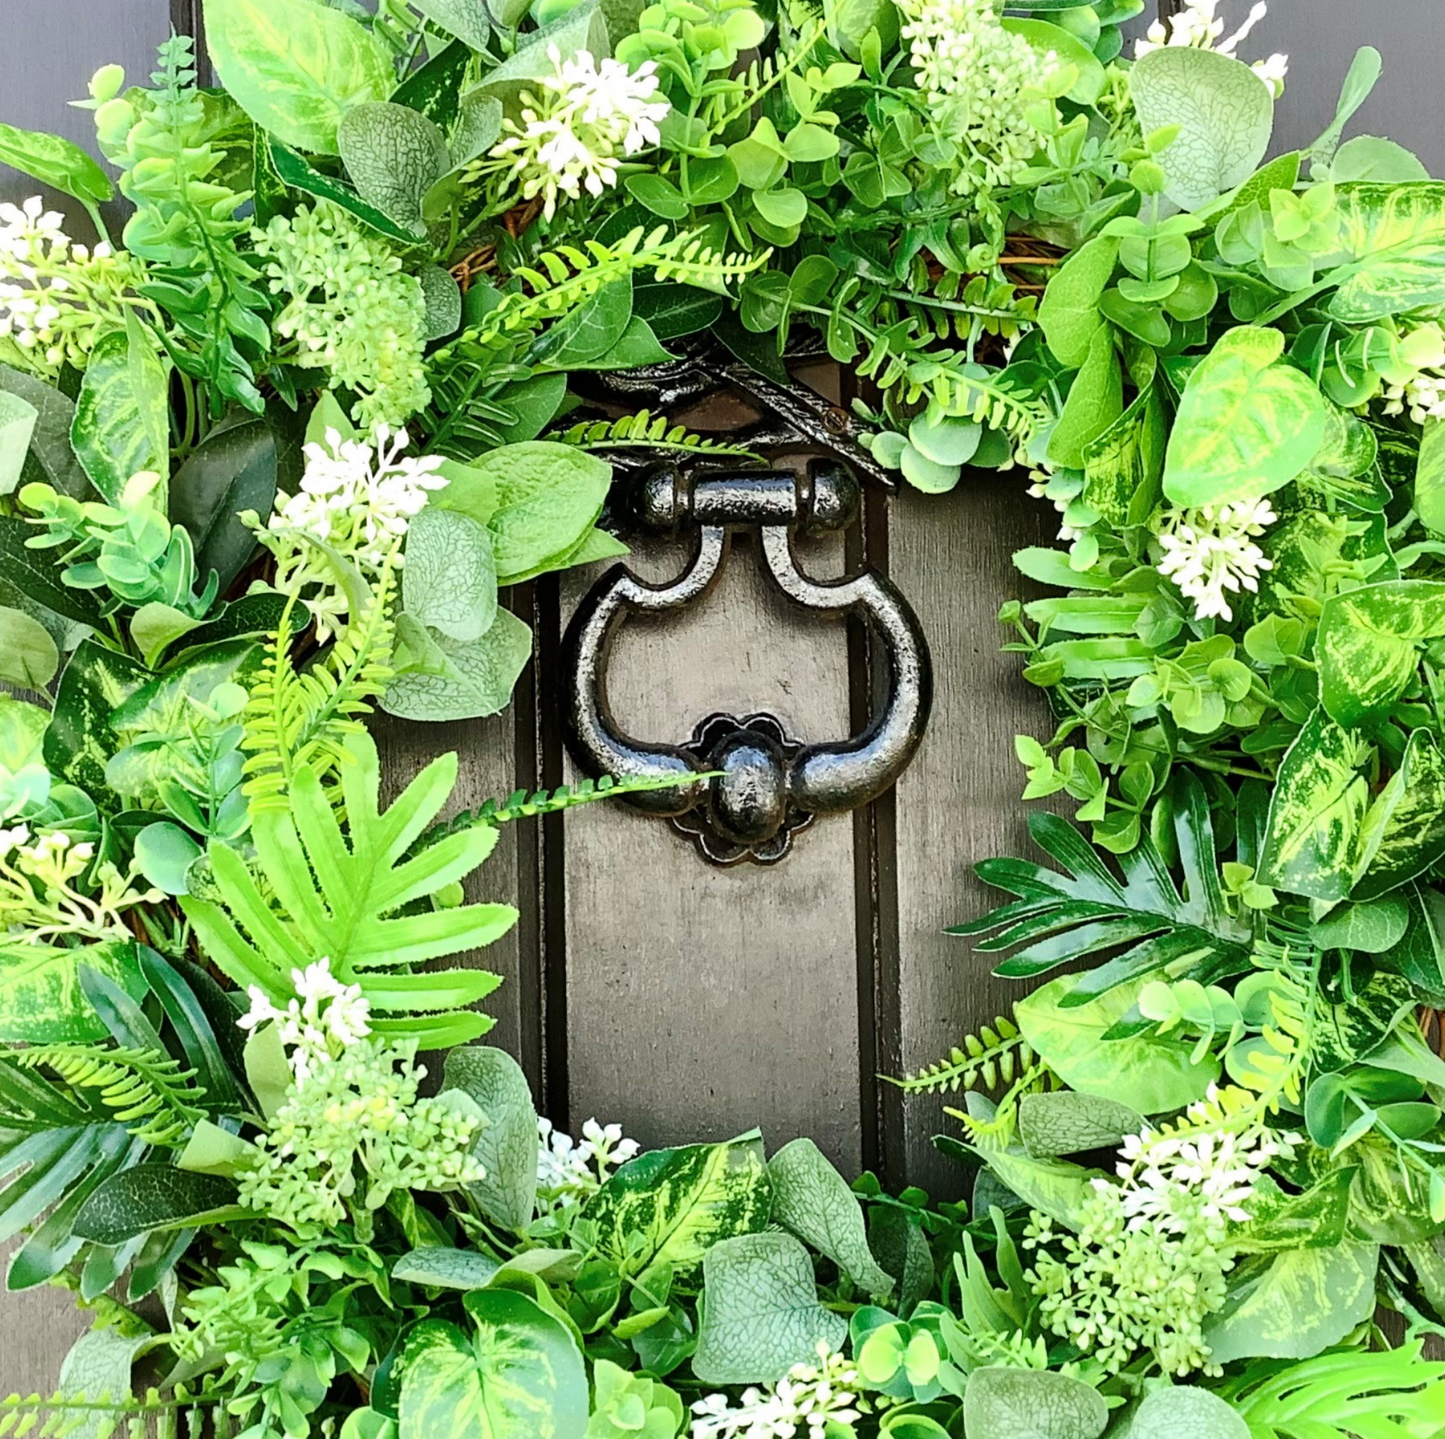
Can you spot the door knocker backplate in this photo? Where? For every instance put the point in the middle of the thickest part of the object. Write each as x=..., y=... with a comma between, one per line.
x=767, y=784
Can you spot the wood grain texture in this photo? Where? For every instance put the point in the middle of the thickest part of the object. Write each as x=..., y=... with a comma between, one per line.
x=958, y=802
x=36, y=1329
x=702, y=1001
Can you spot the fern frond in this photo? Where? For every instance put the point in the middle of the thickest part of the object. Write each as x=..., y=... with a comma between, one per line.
x=298, y=718
x=148, y=1092
x=522, y=805
x=993, y=1056
x=996, y=1130
x=61, y=1414
x=764, y=74
x=645, y=430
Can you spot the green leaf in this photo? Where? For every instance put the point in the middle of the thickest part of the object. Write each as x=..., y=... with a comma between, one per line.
x=1247, y=422
x=1298, y=1303
x=1361, y=78
x=1031, y=1404
x=443, y=302
x=467, y=20
x=1066, y=1123
x=548, y=496
x=56, y=162
x=164, y=852
x=296, y=69
x=294, y=171
x=507, y=1146
x=1183, y=1413
x=154, y=626
x=1150, y=1073
x=589, y=330
x=152, y=1196
x=668, y=1207
x=1369, y=157
x=394, y=156
x=216, y=1151
x=1069, y=315
x=1315, y=813
x=81, y=738
x=122, y=417
x=450, y=579
x=1051, y=40
x=1430, y=479
x=41, y=1001
x=761, y=1313
x=51, y=459
x=1052, y=1186
x=1095, y=402
x=447, y=1268
x=519, y=1376
x=581, y=28
x=347, y=898
x=457, y=680
x=675, y=310
x=1279, y=1221
x=1123, y=466
x=813, y=1200
x=28, y=656
x=1367, y=646
x=1224, y=111
x=233, y=469
x=100, y=1362
x=660, y=196
x=1403, y=834
x=17, y=425
x=1394, y=236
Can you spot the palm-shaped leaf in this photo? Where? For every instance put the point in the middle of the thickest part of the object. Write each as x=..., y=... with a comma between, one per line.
x=358, y=900
x=1086, y=911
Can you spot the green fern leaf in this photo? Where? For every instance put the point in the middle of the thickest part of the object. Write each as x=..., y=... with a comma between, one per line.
x=358, y=904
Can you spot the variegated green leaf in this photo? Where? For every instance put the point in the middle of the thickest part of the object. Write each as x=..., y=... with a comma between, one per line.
x=1404, y=832
x=1318, y=806
x=1247, y=424
x=670, y=1206
x=41, y=1001
x=520, y=1376
x=1298, y=1303
x=1366, y=645
x=1123, y=465
x=1395, y=238
x=122, y=419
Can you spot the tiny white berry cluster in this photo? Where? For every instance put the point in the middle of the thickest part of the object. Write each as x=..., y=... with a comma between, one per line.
x=569, y=1170
x=1210, y=553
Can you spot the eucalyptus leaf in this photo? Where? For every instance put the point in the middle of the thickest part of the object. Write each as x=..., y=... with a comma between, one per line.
x=28, y=655
x=17, y=425
x=1069, y=314
x=1032, y=1404
x=458, y=679
x=439, y=1268
x=506, y=1146
x=394, y=156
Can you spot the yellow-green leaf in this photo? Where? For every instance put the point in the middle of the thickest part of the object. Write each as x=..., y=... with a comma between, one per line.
x=1395, y=238
x=1367, y=645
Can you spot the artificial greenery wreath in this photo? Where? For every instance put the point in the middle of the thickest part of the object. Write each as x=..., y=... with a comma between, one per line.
x=266, y=462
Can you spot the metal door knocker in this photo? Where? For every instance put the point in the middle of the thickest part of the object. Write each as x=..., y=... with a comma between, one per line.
x=767, y=784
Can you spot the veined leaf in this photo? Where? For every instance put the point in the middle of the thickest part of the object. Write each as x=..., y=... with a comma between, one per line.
x=1395, y=237
x=346, y=897
x=1247, y=424
x=1367, y=642
x=506, y=1145
x=1032, y=1404
x=670, y=1206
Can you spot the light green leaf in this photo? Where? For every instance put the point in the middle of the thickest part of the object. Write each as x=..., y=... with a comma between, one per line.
x=56, y=162
x=1095, y=402
x=1430, y=479
x=1123, y=466
x=51, y=458
x=1183, y=1413
x=164, y=852
x=1300, y=1302
x=443, y=302
x=1053, y=41
x=1247, y=422
x=1367, y=646
x=506, y=1146
x=670, y=1206
x=1225, y=113
x=1394, y=236
x=394, y=156
x=582, y=28
x=548, y=496
x=1403, y=834
x=28, y=655
x=446, y=1268
x=1315, y=813
x=450, y=579
x=467, y=20
x=1149, y=1073
x=1031, y=1404
x=761, y=1313
x=812, y=1199
x=1068, y=1123
x=41, y=1001
x=457, y=680
x=122, y=417
x=156, y=625
x=151, y=1196
x=519, y=1376
x=1052, y=1186
x=100, y=1362
x=1069, y=315
x=213, y=1150
x=268, y=1071
x=17, y=425
x=469, y=491
x=296, y=69
x=1361, y=78
x=1370, y=157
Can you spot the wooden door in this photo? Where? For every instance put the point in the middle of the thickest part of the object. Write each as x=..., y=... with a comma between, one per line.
x=642, y=985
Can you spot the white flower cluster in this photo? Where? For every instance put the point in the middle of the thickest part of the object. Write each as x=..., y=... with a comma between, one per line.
x=1210, y=551
x=1415, y=378
x=1172, y=1178
x=978, y=79
x=357, y=499
x=324, y=1019
x=804, y=1404
x=1197, y=27
x=38, y=893
x=56, y=295
x=571, y=137
x=569, y=1171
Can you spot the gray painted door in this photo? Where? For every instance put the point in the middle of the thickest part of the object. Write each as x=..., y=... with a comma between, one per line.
x=690, y=1002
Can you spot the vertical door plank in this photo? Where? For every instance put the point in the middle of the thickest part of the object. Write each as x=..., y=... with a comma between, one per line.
x=958, y=802
x=701, y=1001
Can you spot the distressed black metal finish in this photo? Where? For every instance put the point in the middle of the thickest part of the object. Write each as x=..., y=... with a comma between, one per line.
x=766, y=785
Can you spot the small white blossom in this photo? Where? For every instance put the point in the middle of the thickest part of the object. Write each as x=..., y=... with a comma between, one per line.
x=568, y=1171
x=587, y=118
x=803, y=1404
x=1198, y=27
x=13, y=837
x=324, y=1019
x=1210, y=551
